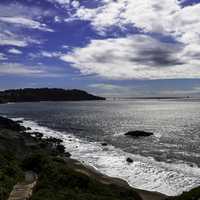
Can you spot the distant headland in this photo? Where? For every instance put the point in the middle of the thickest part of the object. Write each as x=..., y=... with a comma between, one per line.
x=45, y=94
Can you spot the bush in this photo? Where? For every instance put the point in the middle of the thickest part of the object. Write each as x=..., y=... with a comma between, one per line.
x=60, y=148
x=10, y=174
x=57, y=181
x=35, y=162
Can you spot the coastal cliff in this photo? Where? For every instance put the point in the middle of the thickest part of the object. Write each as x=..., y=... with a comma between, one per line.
x=45, y=94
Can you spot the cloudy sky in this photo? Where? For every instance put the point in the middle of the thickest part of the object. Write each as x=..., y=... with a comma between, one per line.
x=108, y=47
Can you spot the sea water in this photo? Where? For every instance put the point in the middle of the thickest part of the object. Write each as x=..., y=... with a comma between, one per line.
x=167, y=162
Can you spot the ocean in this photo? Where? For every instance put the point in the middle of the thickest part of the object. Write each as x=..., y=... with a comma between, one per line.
x=167, y=162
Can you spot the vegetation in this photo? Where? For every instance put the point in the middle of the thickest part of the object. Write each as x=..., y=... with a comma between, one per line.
x=57, y=181
x=194, y=194
x=45, y=94
x=59, y=178
x=10, y=173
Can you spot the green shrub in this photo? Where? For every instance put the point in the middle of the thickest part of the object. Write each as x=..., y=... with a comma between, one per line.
x=10, y=174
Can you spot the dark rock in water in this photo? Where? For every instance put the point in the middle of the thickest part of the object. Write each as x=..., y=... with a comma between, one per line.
x=60, y=148
x=67, y=154
x=28, y=128
x=104, y=144
x=19, y=121
x=38, y=135
x=10, y=124
x=138, y=134
x=129, y=160
x=53, y=140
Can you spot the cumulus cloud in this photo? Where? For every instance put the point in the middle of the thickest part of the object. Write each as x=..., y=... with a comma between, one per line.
x=166, y=17
x=133, y=57
x=143, y=55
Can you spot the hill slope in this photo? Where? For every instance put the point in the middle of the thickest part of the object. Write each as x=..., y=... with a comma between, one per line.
x=45, y=94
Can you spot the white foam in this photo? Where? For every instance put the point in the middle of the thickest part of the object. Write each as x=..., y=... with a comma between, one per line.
x=144, y=173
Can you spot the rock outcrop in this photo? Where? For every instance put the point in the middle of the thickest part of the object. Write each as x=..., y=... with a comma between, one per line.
x=138, y=134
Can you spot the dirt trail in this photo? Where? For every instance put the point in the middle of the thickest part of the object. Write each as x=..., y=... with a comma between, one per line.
x=23, y=190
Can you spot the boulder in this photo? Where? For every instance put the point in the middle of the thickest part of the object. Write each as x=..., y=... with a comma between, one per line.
x=10, y=124
x=67, y=154
x=38, y=135
x=104, y=144
x=129, y=160
x=138, y=134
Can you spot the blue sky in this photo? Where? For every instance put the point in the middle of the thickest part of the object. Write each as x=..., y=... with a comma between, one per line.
x=107, y=47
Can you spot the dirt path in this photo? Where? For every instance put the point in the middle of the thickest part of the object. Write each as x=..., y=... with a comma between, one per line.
x=23, y=190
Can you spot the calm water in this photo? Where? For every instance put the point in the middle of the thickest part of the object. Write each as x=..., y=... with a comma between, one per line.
x=176, y=140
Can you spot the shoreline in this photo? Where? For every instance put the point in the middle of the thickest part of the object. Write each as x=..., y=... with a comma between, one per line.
x=87, y=170
x=30, y=142
x=91, y=171
x=145, y=194
x=148, y=174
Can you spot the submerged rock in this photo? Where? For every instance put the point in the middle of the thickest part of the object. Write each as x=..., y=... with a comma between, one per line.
x=129, y=160
x=38, y=135
x=67, y=154
x=104, y=144
x=138, y=134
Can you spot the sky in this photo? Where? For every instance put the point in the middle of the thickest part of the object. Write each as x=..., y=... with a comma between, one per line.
x=107, y=47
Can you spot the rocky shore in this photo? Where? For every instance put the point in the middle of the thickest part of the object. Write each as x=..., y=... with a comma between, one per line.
x=59, y=176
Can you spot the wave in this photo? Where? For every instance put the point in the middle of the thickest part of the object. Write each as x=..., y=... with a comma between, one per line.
x=144, y=173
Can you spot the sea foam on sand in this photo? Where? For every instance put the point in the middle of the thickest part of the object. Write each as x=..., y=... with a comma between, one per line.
x=144, y=173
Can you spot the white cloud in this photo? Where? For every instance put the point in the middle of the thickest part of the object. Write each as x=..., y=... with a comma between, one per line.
x=46, y=54
x=14, y=51
x=166, y=17
x=65, y=46
x=50, y=54
x=14, y=17
x=11, y=39
x=75, y=4
x=141, y=57
x=66, y=3
x=2, y=56
x=37, y=71
x=62, y=2
x=18, y=69
x=25, y=22
x=133, y=57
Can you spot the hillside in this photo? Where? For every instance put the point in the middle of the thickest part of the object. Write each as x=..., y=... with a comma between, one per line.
x=59, y=177
x=45, y=94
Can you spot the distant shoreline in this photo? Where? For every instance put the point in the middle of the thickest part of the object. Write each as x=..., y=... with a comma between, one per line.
x=46, y=94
